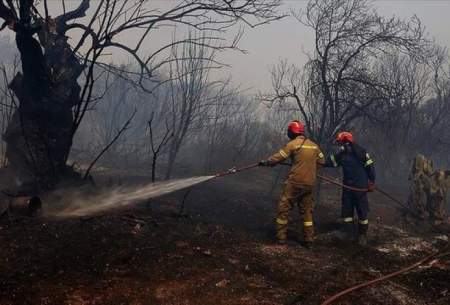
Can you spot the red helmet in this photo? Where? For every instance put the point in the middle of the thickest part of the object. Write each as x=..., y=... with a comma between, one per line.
x=296, y=127
x=344, y=136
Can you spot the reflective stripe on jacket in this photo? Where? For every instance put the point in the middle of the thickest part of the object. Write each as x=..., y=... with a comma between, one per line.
x=357, y=164
x=304, y=155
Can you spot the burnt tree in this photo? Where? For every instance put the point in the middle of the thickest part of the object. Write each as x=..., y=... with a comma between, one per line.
x=57, y=82
x=39, y=135
x=330, y=90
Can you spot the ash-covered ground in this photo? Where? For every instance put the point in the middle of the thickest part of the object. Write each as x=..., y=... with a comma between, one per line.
x=219, y=250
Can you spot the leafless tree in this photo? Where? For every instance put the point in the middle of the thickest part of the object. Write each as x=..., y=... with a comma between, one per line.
x=411, y=112
x=404, y=87
x=52, y=101
x=330, y=91
x=7, y=105
x=157, y=146
x=440, y=105
x=434, y=120
x=218, y=128
x=105, y=149
x=192, y=92
x=119, y=99
x=246, y=132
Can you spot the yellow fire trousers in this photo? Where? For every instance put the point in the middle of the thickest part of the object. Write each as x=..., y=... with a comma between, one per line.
x=302, y=196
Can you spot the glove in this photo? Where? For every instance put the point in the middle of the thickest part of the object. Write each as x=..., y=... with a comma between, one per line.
x=264, y=163
x=371, y=186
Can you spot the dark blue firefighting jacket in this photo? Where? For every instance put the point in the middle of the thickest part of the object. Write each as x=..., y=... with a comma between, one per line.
x=357, y=165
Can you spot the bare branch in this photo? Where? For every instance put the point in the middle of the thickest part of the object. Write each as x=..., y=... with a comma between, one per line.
x=105, y=149
x=79, y=12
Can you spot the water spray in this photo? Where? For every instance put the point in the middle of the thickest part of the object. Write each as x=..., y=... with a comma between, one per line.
x=127, y=196
x=123, y=197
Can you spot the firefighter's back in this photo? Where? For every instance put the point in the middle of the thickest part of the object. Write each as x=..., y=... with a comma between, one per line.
x=304, y=162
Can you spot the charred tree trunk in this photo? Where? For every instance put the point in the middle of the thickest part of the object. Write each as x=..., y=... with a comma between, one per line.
x=39, y=136
x=51, y=102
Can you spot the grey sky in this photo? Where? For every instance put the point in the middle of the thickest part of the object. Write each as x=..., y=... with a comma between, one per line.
x=288, y=39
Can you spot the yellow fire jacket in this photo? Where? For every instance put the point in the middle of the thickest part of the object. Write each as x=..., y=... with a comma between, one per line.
x=305, y=155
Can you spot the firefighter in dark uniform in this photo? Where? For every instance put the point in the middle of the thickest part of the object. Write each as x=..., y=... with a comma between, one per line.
x=305, y=156
x=358, y=172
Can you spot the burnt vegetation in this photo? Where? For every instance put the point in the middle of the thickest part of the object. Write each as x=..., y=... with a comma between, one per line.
x=100, y=95
x=57, y=83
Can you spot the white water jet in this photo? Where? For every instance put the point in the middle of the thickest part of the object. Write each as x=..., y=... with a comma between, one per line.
x=127, y=196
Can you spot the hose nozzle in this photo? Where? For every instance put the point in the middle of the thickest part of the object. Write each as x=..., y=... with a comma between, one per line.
x=232, y=170
x=235, y=170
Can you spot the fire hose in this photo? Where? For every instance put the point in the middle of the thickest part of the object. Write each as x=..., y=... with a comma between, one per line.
x=428, y=259
x=235, y=170
x=331, y=180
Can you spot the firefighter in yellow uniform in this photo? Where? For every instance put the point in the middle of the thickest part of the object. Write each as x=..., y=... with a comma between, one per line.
x=436, y=187
x=305, y=155
x=420, y=169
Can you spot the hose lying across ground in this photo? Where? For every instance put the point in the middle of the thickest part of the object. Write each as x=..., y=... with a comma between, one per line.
x=428, y=259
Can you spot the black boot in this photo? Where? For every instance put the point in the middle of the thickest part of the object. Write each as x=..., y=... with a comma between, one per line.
x=362, y=239
x=308, y=245
x=362, y=234
x=349, y=231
